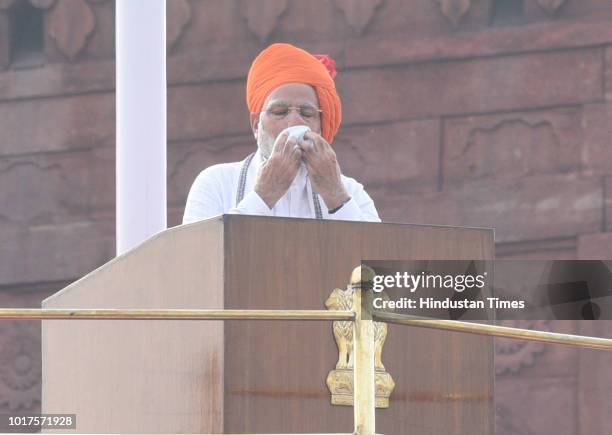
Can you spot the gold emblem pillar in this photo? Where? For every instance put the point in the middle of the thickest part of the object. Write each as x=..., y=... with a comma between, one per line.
x=340, y=380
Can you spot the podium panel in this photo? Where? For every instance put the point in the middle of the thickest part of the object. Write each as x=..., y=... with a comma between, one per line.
x=256, y=376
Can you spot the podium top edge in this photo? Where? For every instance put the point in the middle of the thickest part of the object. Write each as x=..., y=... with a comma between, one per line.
x=229, y=217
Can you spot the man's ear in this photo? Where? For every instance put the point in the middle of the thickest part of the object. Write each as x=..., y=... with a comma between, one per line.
x=254, y=118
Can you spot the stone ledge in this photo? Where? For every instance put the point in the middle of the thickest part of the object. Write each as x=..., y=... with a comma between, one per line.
x=231, y=61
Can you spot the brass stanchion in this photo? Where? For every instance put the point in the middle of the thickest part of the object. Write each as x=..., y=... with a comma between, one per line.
x=364, y=374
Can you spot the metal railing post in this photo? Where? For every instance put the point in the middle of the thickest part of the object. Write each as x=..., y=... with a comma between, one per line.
x=363, y=339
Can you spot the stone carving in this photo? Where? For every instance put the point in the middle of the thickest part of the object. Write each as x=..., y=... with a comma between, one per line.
x=550, y=6
x=358, y=13
x=47, y=187
x=512, y=147
x=506, y=423
x=262, y=16
x=179, y=17
x=454, y=10
x=20, y=369
x=71, y=23
x=340, y=380
x=42, y=4
x=512, y=355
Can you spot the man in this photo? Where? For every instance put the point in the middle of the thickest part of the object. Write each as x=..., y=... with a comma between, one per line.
x=287, y=176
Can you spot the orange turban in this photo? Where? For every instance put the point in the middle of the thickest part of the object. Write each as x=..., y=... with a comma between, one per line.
x=280, y=64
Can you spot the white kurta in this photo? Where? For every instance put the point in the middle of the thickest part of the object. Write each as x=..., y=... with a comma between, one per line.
x=214, y=192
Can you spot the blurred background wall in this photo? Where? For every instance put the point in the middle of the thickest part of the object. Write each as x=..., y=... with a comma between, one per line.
x=493, y=113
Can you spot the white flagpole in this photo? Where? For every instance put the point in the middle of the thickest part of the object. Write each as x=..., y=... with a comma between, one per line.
x=141, y=120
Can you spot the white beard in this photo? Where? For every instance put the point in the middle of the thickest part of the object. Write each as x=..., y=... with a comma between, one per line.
x=265, y=141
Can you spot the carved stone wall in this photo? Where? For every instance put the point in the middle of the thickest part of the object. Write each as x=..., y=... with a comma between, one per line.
x=20, y=363
x=453, y=114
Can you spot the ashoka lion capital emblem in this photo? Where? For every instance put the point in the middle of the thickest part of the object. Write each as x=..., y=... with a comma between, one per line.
x=340, y=380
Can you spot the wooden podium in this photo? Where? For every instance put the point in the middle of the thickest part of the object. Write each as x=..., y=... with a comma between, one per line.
x=156, y=376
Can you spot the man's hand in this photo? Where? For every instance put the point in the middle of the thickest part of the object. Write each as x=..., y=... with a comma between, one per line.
x=278, y=172
x=323, y=170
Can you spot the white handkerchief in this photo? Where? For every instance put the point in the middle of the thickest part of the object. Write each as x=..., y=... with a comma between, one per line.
x=297, y=131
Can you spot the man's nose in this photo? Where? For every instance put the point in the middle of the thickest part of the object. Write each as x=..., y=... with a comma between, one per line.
x=294, y=118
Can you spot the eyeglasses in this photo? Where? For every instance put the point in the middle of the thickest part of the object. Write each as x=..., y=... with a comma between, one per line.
x=280, y=111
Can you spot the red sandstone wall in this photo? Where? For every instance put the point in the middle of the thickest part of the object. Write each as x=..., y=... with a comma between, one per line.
x=450, y=117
